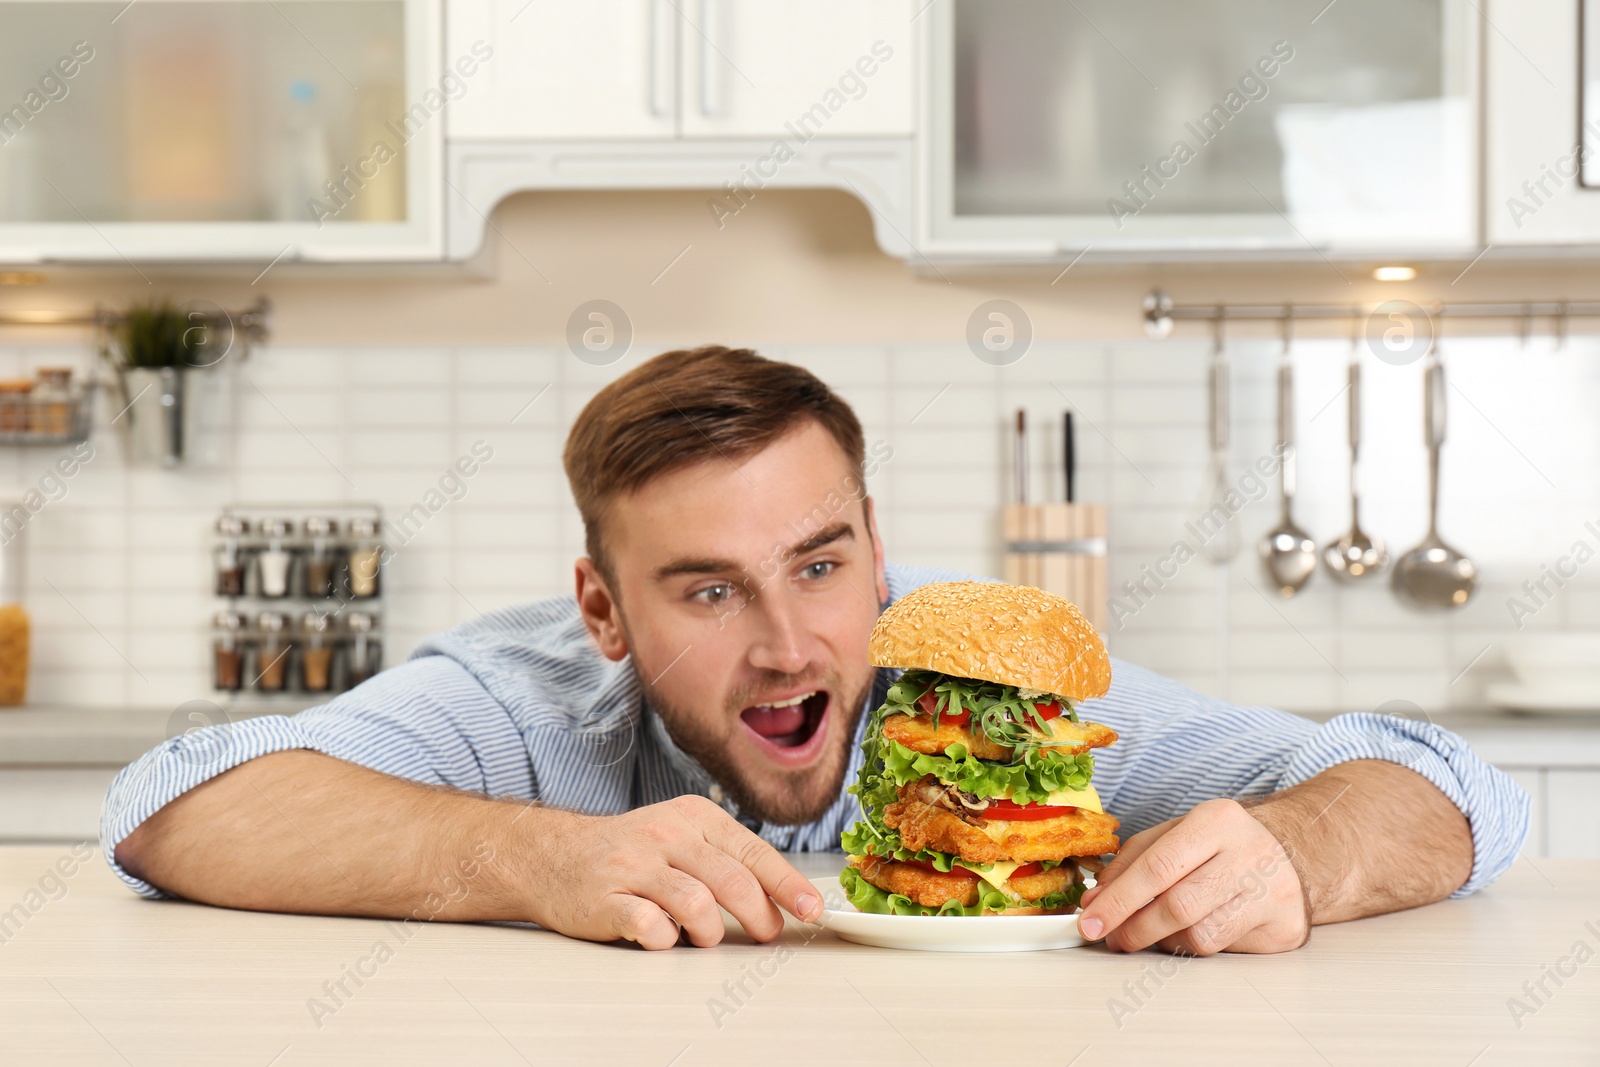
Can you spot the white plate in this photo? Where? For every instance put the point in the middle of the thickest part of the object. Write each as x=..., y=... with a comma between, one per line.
x=1548, y=699
x=944, y=933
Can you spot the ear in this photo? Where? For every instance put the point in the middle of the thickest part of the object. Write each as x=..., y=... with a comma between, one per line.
x=599, y=609
x=877, y=552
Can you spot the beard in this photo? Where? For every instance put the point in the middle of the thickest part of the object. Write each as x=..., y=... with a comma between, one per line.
x=786, y=798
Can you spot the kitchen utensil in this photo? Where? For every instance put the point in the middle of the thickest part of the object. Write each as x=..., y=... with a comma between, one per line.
x=1069, y=456
x=1355, y=555
x=1215, y=518
x=1020, y=456
x=1288, y=552
x=1434, y=575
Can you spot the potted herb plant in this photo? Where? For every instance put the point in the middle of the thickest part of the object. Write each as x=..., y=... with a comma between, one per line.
x=158, y=344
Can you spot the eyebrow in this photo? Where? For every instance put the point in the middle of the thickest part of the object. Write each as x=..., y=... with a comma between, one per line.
x=838, y=531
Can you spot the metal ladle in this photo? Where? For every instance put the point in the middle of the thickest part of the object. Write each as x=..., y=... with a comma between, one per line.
x=1434, y=575
x=1289, y=553
x=1355, y=555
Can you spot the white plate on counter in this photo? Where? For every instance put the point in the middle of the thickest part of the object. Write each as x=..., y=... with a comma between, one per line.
x=1549, y=700
x=945, y=933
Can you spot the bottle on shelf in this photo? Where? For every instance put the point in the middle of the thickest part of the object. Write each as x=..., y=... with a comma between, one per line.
x=273, y=648
x=316, y=652
x=319, y=567
x=366, y=558
x=231, y=560
x=228, y=648
x=275, y=562
x=366, y=650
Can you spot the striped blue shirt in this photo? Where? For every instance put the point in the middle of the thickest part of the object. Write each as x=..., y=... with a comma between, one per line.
x=521, y=703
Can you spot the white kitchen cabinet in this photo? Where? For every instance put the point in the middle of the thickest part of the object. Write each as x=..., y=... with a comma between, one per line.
x=1533, y=194
x=567, y=69
x=1144, y=127
x=192, y=130
x=753, y=68
x=1574, y=806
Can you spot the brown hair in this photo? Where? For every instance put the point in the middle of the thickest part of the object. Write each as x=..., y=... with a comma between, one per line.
x=687, y=406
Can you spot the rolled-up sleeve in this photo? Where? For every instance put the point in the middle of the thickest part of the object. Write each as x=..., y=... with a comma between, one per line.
x=428, y=720
x=1179, y=747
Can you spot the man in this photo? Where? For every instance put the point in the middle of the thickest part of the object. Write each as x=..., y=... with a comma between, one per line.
x=619, y=763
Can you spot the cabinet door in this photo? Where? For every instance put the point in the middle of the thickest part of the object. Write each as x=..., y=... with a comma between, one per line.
x=1574, y=812
x=232, y=129
x=754, y=68
x=1533, y=191
x=567, y=69
x=1140, y=125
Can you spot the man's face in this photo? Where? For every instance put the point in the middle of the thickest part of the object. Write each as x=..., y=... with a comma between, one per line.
x=747, y=591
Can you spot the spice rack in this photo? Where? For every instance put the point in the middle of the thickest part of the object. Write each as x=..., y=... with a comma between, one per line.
x=48, y=410
x=300, y=588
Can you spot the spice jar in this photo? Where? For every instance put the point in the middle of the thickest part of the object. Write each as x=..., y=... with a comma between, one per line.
x=274, y=563
x=366, y=558
x=228, y=647
x=319, y=560
x=366, y=650
x=316, y=652
x=230, y=555
x=52, y=402
x=14, y=625
x=14, y=404
x=273, y=645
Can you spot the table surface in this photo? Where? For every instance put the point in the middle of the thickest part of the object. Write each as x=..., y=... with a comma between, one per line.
x=90, y=973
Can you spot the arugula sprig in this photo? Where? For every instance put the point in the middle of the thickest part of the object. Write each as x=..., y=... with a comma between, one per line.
x=1000, y=711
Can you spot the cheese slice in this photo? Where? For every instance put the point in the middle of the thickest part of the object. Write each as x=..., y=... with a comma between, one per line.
x=996, y=875
x=1085, y=798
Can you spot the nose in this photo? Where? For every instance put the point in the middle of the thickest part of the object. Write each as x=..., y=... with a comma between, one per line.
x=783, y=643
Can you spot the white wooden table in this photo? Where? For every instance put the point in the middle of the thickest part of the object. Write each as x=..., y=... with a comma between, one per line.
x=101, y=976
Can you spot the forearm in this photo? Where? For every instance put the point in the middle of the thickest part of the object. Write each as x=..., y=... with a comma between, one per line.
x=1369, y=837
x=299, y=831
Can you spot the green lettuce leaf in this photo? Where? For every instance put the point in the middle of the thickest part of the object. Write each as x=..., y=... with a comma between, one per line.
x=1039, y=773
x=869, y=898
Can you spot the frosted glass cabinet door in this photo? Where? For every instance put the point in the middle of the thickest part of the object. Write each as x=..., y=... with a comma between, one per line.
x=179, y=129
x=1228, y=124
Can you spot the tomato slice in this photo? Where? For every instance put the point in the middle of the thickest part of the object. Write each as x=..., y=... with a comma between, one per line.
x=1028, y=869
x=960, y=872
x=929, y=702
x=1051, y=710
x=1005, y=809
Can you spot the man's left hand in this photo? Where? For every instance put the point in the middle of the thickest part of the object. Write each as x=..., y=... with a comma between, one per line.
x=1214, y=880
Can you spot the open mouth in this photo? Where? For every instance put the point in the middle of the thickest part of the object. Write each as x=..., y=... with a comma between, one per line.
x=790, y=727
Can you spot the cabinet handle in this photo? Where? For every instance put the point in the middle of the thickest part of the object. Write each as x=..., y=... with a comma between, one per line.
x=710, y=82
x=663, y=57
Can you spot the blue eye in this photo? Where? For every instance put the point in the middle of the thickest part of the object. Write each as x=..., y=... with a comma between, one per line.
x=714, y=594
x=820, y=569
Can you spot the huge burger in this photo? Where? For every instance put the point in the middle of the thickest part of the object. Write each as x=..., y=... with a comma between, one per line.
x=975, y=795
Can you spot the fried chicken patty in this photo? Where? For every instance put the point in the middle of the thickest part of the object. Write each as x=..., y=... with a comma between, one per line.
x=1078, y=833
x=933, y=889
x=918, y=733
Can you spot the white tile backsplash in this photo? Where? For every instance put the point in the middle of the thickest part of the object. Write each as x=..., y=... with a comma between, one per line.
x=118, y=571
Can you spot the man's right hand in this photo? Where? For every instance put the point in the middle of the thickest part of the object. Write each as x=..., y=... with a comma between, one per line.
x=642, y=875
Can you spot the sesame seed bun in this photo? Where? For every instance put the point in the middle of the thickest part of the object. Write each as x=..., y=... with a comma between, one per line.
x=1010, y=634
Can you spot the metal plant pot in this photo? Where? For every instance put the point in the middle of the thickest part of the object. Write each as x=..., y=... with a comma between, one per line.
x=155, y=414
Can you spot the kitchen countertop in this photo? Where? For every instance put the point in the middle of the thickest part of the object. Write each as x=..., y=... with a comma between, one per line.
x=71, y=734
x=46, y=735
x=102, y=976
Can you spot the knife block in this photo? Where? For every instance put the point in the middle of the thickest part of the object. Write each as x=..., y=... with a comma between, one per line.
x=1060, y=548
